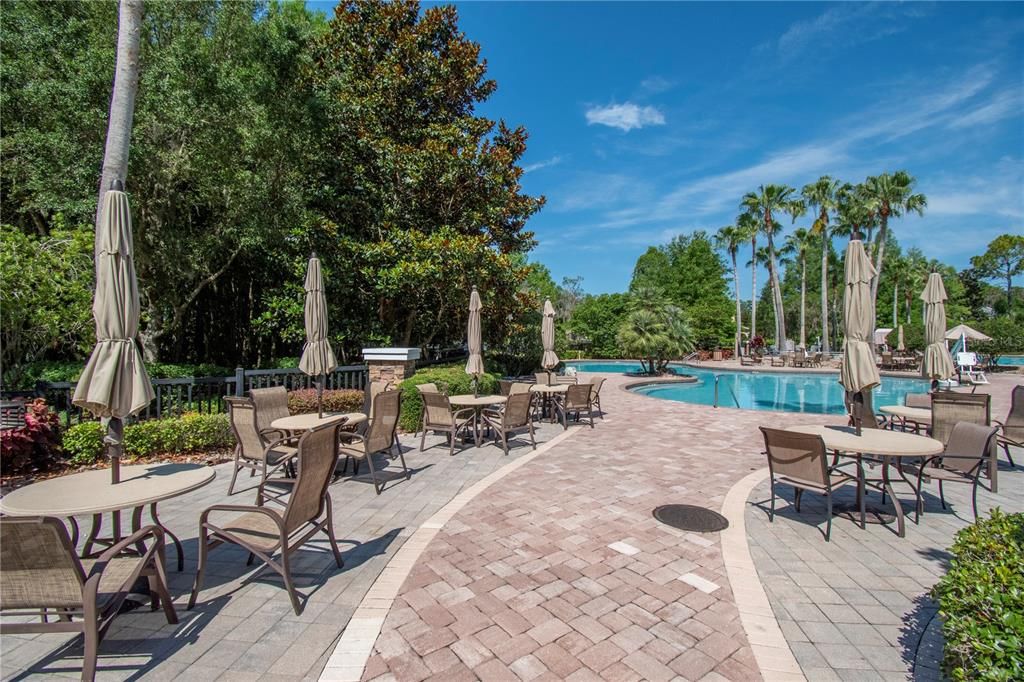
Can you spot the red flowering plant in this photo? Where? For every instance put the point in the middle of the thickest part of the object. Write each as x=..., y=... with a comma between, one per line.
x=34, y=446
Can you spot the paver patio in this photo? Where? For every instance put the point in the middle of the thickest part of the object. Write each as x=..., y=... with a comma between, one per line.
x=559, y=571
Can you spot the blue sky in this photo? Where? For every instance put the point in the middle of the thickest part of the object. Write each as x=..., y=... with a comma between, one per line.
x=647, y=120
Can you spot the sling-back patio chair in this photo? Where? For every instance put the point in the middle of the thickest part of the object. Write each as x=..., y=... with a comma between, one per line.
x=576, y=401
x=255, y=450
x=271, y=403
x=595, y=394
x=380, y=437
x=439, y=416
x=370, y=393
x=42, y=576
x=950, y=408
x=800, y=460
x=1011, y=430
x=963, y=461
x=266, y=531
x=511, y=419
x=923, y=400
x=544, y=378
x=429, y=387
x=519, y=387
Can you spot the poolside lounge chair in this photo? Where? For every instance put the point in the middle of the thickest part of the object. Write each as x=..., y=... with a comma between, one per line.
x=963, y=461
x=42, y=576
x=256, y=451
x=816, y=361
x=746, y=360
x=271, y=403
x=949, y=409
x=576, y=401
x=439, y=416
x=380, y=437
x=595, y=395
x=511, y=419
x=800, y=460
x=265, y=531
x=967, y=365
x=1011, y=430
x=778, y=360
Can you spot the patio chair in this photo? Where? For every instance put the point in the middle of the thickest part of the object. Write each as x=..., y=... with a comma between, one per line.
x=265, y=531
x=860, y=407
x=576, y=400
x=504, y=386
x=949, y=408
x=1011, y=430
x=271, y=403
x=800, y=460
x=255, y=451
x=439, y=416
x=42, y=576
x=519, y=387
x=963, y=461
x=370, y=393
x=564, y=379
x=511, y=419
x=544, y=378
x=595, y=394
x=746, y=361
x=887, y=361
x=923, y=400
x=380, y=437
x=778, y=360
x=817, y=360
x=421, y=389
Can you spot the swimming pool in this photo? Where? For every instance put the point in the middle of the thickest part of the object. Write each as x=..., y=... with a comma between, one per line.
x=1010, y=360
x=789, y=392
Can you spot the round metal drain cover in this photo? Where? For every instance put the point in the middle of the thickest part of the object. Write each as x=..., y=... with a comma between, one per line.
x=691, y=517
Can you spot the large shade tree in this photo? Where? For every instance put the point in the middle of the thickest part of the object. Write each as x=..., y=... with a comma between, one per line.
x=1003, y=260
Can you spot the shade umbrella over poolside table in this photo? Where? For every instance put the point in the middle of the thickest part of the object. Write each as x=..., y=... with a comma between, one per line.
x=114, y=384
x=475, y=363
x=858, y=373
x=317, y=355
x=547, y=336
x=937, y=364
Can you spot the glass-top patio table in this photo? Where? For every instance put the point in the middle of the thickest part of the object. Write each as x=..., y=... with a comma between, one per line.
x=890, y=447
x=93, y=493
x=310, y=420
x=917, y=416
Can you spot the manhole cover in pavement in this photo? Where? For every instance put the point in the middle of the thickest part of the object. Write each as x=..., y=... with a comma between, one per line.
x=691, y=517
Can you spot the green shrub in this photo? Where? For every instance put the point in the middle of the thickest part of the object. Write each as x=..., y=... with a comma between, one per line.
x=981, y=601
x=47, y=370
x=335, y=400
x=84, y=442
x=188, y=433
x=450, y=379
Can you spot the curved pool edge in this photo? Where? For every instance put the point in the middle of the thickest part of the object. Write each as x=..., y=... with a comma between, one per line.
x=630, y=386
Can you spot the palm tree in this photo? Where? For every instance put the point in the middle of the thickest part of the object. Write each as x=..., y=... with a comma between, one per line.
x=763, y=204
x=797, y=245
x=890, y=195
x=822, y=196
x=757, y=259
x=749, y=228
x=852, y=212
x=729, y=238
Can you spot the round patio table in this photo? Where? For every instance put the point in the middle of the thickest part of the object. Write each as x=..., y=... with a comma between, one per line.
x=917, y=416
x=891, y=447
x=92, y=492
x=548, y=392
x=310, y=420
x=478, y=402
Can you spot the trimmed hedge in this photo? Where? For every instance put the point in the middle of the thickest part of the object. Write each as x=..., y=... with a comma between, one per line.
x=981, y=601
x=334, y=400
x=188, y=433
x=450, y=379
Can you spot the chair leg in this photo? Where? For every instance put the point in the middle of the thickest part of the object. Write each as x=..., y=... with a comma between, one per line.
x=423, y=438
x=942, y=497
x=330, y=534
x=828, y=521
x=797, y=497
x=373, y=474
x=91, y=633
x=1009, y=457
x=451, y=441
x=771, y=508
x=504, y=442
x=234, y=475
x=408, y=474
x=158, y=585
x=203, y=550
x=286, y=573
x=533, y=440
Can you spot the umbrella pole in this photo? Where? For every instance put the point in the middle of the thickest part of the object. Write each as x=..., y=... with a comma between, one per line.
x=115, y=444
x=320, y=396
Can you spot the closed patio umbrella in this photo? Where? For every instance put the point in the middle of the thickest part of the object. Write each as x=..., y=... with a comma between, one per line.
x=317, y=356
x=900, y=346
x=475, y=364
x=114, y=383
x=858, y=373
x=547, y=337
x=937, y=364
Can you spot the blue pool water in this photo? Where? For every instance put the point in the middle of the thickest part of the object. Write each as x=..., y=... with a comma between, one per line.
x=790, y=392
x=1010, y=360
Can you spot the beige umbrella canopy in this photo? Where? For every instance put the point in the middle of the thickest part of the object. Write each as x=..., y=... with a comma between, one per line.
x=900, y=345
x=858, y=372
x=965, y=332
x=114, y=383
x=937, y=364
x=475, y=364
x=547, y=337
x=317, y=356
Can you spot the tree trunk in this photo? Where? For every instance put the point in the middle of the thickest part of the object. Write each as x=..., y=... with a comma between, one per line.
x=753, y=288
x=739, y=311
x=825, y=346
x=803, y=302
x=1009, y=288
x=122, y=101
x=895, y=306
x=780, y=320
x=879, y=253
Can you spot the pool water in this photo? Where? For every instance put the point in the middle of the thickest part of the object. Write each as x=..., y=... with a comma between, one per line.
x=1010, y=360
x=789, y=392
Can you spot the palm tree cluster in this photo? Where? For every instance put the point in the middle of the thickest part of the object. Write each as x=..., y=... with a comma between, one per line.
x=654, y=331
x=837, y=209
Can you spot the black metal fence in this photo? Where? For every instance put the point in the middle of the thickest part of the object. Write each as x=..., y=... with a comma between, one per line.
x=199, y=394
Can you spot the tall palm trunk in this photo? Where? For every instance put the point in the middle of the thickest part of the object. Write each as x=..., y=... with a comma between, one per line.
x=883, y=229
x=739, y=311
x=895, y=306
x=780, y=321
x=803, y=302
x=825, y=346
x=122, y=101
x=753, y=288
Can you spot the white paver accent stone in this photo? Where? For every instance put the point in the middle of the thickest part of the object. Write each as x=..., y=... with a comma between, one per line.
x=698, y=540
x=624, y=548
x=701, y=584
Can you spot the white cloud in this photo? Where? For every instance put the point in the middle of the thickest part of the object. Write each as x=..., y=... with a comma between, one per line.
x=1005, y=104
x=654, y=85
x=997, y=192
x=844, y=25
x=547, y=163
x=625, y=117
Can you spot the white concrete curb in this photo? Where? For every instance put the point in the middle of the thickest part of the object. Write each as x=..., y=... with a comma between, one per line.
x=349, y=658
x=771, y=651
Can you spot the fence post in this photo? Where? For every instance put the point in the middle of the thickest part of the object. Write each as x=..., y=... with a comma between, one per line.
x=239, y=382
